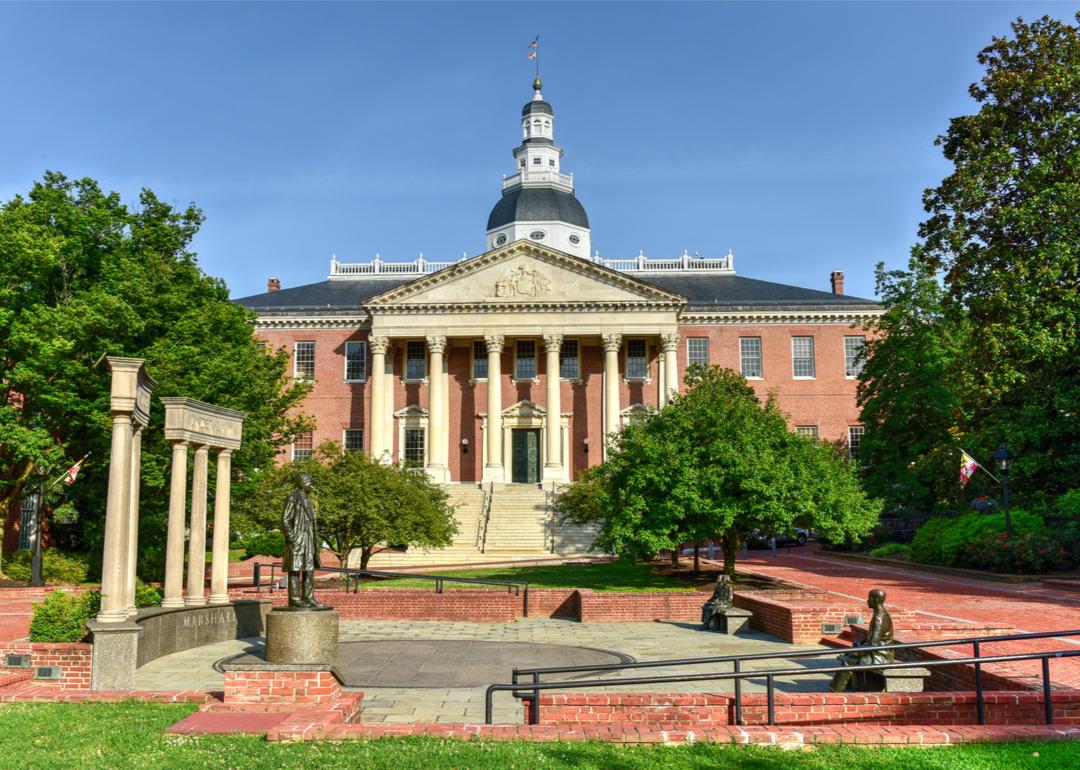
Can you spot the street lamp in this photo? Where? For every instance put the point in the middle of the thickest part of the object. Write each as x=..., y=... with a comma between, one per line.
x=1004, y=461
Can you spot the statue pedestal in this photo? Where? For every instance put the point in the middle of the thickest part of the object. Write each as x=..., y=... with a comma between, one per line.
x=302, y=636
x=731, y=621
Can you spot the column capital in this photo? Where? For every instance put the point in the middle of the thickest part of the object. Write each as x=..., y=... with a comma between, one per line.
x=495, y=343
x=379, y=344
x=553, y=343
x=612, y=342
x=224, y=453
x=436, y=343
x=669, y=342
x=177, y=442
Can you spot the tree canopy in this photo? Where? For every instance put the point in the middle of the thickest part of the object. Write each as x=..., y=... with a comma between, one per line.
x=1003, y=238
x=716, y=463
x=360, y=503
x=82, y=276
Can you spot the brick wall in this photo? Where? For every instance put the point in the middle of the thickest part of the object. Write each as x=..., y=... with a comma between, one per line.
x=675, y=711
x=797, y=616
x=280, y=687
x=72, y=657
x=630, y=607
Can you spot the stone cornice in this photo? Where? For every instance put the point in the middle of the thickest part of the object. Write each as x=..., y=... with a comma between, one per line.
x=487, y=308
x=807, y=316
x=299, y=321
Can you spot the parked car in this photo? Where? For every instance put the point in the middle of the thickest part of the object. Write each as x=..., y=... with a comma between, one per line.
x=795, y=536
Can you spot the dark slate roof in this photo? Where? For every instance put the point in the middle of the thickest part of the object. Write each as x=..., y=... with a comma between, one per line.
x=703, y=292
x=730, y=292
x=537, y=204
x=537, y=105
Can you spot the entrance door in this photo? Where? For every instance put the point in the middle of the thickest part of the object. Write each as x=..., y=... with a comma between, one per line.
x=525, y=455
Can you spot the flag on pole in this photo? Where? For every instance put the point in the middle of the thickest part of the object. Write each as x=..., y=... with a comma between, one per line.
x=968, y=465
x=72, y=473
x=532, y=47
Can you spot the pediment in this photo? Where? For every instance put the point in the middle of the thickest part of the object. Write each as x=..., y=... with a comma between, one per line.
x=524, y=273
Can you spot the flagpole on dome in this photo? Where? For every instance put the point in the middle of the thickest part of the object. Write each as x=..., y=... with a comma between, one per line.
x=534, y=54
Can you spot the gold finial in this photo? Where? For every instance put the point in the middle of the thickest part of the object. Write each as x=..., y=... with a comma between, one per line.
x=536, y=84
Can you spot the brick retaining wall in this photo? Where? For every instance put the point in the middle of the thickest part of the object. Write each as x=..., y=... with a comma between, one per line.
x=797, y=616
x=267, y=688
x=72, y=657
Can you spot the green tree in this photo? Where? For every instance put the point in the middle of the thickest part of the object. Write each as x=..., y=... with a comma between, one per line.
x=83, y=276
x=1004, y=227
x=361, y=504
x=716, y=463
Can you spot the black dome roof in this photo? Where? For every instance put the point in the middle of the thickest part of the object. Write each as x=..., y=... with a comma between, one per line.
x=537, y=204
x=537, y=105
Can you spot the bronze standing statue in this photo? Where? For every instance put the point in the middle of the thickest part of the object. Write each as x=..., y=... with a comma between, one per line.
x=301, y=555
x=881, y=632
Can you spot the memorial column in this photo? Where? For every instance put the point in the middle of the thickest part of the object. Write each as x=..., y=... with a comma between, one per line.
x=114, y=558
x=493, y=468
x=553, y=466
x=219, y=554
x=132, y=527
x=174, y=543
x=196, y=578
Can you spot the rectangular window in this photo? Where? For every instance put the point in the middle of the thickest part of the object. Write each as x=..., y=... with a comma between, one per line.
x=302, y=445
x=479, y=360
x=854, y=441
x=353, y=441
x=355, y=361
x=536, y=161
x=802, y=357
x=414, y=447
x=304, y=361
x=415, y=360
x=569, y=363
x=525, y=361
x=750, y=356
x=807, y=430
x=551, y=162
x=854, y=356
x=697, y=351
x=637, y=363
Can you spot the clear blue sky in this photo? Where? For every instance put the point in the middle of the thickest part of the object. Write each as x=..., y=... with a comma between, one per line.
x=799, y=135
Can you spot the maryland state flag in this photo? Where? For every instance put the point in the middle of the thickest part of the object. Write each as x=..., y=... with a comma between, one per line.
x=968, y=465
x=532, y=47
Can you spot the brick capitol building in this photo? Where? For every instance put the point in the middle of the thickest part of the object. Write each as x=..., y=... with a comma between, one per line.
x=501, y=374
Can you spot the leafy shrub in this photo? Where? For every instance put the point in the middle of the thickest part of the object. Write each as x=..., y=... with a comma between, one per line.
x=146, y=595
x=1026, y=553
x=266, y=544
x=1068, y=504
x=151, y=565
x=891, y=549
x=57, y=567
x=941, y=541
x=60, y=618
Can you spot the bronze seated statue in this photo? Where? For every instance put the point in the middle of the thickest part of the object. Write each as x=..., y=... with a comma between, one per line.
x=712, y=612
x=881, y=632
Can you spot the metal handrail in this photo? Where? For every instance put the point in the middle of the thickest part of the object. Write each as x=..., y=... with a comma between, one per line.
x=534, y=688
x=737, y=661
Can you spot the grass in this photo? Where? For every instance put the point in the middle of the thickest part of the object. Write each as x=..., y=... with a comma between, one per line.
x=607, y=576
x=130, y=735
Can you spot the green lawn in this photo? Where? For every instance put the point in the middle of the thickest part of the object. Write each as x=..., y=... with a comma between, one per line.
x=130, y=735
x=608, y=576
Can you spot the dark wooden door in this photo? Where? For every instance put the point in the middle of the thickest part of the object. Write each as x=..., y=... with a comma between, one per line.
x=525, y=449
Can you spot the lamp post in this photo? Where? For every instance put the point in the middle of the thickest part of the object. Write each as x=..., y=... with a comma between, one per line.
x=36, y=577
x=1003, y=459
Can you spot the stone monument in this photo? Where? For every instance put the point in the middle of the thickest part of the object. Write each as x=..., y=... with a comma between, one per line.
x=718, y=614
x=304, y=631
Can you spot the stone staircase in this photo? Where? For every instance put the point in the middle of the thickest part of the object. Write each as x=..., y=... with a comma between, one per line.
x=517, y=528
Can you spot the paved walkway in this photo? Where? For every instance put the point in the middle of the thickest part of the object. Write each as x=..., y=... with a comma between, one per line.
x=643, y=641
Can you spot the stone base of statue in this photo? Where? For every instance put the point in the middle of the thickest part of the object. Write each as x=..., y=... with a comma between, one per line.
x=302, y=635
x=730, y=621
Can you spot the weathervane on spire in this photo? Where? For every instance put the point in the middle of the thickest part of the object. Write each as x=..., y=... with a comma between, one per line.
x=534, y=54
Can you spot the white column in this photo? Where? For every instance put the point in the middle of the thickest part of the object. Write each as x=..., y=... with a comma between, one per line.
x=376, y=407
x=438, y=425
x=174, y=546
x=553, y=470
x=389, y=426
x=133, y=520
x=196, y=578
x=612, y=346
x=219, y=554
x=114, y=558
x=670, y=344
x=493, y=469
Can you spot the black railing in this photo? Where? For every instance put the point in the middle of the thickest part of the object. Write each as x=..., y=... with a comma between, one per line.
x=353, y=578
x=533, y=688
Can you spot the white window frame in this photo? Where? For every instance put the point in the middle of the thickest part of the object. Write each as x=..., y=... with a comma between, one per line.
x=577, y=358
x=853, y=447
x=689, y=356
x=422, y=430
x=760, y=359
x=856, y=362
x=363, y=360
x=813, y=358
x=535, y=359
x=296, y=360
x=474, y=358
x=810, y=431
x=422, y=359
x=626, y=359
x=310, y=450
x=344, y=439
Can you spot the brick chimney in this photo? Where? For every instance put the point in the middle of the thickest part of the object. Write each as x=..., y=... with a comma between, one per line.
x=837, y=279
x=274, y=284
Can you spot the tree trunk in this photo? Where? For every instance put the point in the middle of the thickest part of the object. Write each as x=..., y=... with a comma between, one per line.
x=697, y=558
x=731, y=543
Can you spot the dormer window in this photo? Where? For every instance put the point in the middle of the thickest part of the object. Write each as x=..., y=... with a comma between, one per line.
x=536, y=161
x=551, y=162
